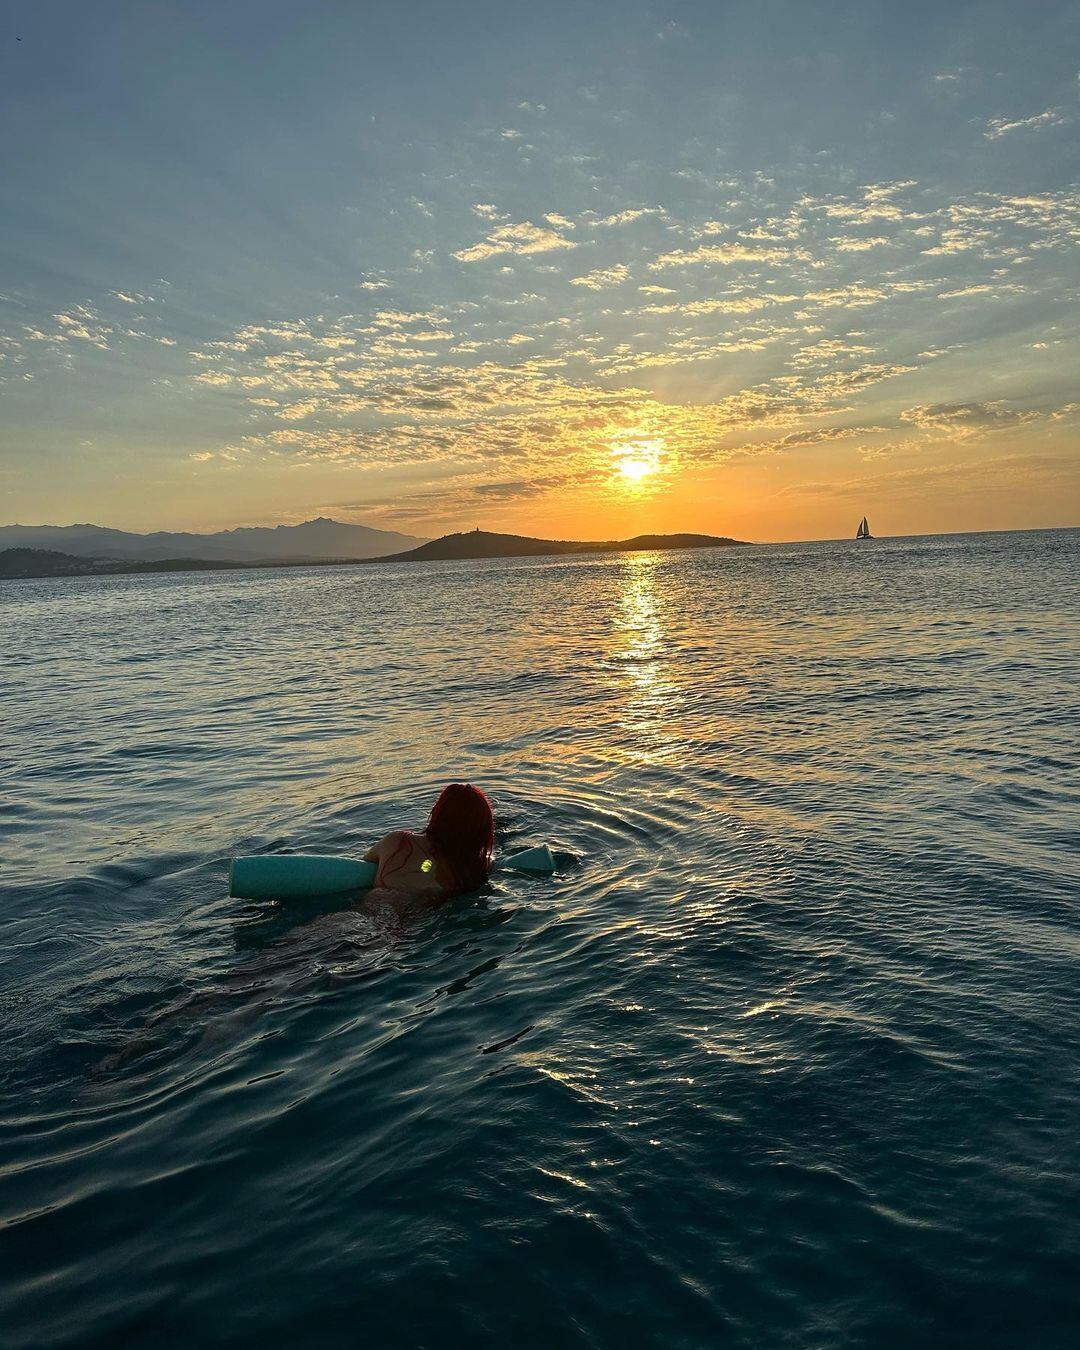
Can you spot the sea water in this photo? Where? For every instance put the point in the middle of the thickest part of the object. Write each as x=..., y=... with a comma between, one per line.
x=787, y=1054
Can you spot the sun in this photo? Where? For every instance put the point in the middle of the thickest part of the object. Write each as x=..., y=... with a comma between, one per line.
x=634, y=461
x=635, y=469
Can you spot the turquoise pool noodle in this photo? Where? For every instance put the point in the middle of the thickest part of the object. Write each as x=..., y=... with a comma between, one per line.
x=291, y=876
x=539, y=859
x=294, y=876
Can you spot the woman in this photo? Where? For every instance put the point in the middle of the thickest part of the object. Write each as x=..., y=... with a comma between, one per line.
x=452, y=856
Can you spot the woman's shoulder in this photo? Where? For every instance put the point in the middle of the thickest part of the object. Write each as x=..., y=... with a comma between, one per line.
x=388, y=844
x=397, y=838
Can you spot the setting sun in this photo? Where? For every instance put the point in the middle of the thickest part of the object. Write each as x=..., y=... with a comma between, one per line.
x=637, y=460
x=636, y=469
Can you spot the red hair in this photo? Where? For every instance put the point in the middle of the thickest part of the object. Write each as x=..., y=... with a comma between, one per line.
x=462, y=832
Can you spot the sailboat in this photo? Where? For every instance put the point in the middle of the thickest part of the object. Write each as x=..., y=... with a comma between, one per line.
x=863, y=532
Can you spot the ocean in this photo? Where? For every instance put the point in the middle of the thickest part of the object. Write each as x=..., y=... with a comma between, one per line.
x=786, y=1054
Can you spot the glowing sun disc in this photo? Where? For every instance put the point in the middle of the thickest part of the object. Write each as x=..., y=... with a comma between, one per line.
x=635, y=460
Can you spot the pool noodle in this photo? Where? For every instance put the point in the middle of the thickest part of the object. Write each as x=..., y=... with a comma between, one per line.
x=295, y=876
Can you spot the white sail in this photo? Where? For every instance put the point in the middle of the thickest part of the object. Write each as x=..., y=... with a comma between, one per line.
x=863, y=532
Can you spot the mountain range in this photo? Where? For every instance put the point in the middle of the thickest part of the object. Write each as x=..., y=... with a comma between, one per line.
x=23, y=561
x=313, y=540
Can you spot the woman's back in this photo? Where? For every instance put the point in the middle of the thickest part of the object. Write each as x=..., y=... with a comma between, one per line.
x=407, y=862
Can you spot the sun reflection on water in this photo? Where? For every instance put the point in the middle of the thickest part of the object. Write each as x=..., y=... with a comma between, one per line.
x=641, y=659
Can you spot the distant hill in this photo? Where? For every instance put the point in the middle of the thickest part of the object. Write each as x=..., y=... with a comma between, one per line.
x=482, y=544
x=44, y=562
x=314, y=540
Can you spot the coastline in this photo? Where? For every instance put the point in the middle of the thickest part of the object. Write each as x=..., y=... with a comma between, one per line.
x=70, y=565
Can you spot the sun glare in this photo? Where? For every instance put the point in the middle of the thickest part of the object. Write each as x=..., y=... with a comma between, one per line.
x=634, y=461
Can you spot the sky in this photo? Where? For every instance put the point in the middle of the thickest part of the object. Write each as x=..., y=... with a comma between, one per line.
x=578, y=270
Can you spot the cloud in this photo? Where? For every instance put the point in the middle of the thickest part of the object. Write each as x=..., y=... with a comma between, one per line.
x=719, y=253
x=964, y=420
x=603, y=276
x=628, y=216
x=1001, y=126
x=981, y=288
x=405, y=406
x=827, y=351
x=846, y=245
x=510, y=386
x=796, y=440
x=514, y=490
x=728, y=304
x=877, y=204
x=84, y=323
x=524, y=238
x=842, y=297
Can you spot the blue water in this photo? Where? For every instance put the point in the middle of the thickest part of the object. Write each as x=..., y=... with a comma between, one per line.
x=786, y=1055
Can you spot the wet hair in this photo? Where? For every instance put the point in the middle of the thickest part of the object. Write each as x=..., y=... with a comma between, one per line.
x=461, y=830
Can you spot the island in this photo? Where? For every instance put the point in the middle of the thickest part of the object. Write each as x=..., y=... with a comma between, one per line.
x=24, y=563
x=483, y=544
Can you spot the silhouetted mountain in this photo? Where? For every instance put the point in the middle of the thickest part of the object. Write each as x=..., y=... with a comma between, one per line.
x=41, y=562
x=482, y=544
x=313, y=540
x=44, y=562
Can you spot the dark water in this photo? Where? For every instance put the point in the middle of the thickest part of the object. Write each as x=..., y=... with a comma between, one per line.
x=786, y=1055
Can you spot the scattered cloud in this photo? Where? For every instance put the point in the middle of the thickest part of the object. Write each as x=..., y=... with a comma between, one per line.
x=797, y=440
x=876, y=202
x=603, y=276
x=965, y=420
x=628, y=216
x=524, y=238
x=719, y=253
x=1001, y=126
x=791, y=320
x=854, y=245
